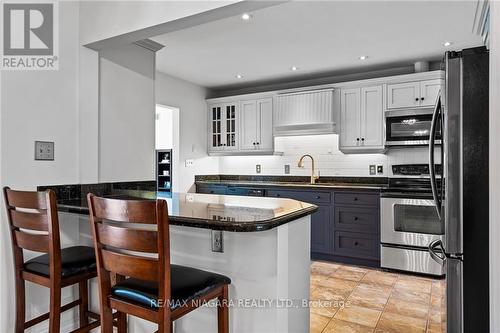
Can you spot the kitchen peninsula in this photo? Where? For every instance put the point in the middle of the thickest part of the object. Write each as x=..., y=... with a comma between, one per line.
x=265, y=244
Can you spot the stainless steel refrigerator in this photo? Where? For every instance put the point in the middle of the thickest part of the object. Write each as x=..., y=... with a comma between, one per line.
x=462, y=203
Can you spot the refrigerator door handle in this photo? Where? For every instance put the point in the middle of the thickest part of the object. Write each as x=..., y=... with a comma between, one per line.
x=437, y=257
x=432, y=170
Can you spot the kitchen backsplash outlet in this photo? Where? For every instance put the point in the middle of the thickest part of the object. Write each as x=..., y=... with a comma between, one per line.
x=287, y=169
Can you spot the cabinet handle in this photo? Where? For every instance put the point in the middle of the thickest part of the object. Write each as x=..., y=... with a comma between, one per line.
x=318, y=197
x=254, y=143
x=421, y=98
x=416, y=99
x=357, y=139
x=258, y=143
x=355, y=243
x=355, y=218
x=355, y=198
x=362, y=139
x=278, y=195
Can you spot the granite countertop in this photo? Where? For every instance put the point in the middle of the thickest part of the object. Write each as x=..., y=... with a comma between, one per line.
x=216, y=212
x=362, y=183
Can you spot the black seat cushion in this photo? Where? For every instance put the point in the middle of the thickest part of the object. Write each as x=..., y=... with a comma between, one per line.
x=74, y=260
x=186, y=284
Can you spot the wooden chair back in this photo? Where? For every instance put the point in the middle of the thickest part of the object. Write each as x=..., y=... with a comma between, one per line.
x=125, y=249
x=34, y=226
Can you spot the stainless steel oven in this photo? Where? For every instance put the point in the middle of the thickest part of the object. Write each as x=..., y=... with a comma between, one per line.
x=409, y=128
x=408, y=226
x=410, y=222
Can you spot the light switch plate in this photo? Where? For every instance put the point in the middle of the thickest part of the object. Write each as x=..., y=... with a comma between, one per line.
x=380, y=169
x=372, y=169
x=44, y=150
x=257, y=168
x=287, y=169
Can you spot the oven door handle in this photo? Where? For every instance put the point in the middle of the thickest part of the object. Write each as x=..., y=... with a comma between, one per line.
x=432, y=170
x=437, y=245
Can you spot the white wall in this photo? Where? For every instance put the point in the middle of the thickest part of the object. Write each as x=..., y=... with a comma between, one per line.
x=126, y=114
x=105, y=19
x=494, y=167
x=329, y=160
x=39, y=105
x=190, y=99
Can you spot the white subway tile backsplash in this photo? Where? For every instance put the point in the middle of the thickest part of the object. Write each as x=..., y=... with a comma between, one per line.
x=330, y=161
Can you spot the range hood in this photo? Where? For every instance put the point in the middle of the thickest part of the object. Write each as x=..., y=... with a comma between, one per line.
x=304, y=113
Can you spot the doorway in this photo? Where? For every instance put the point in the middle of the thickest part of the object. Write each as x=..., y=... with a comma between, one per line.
x=167, y=136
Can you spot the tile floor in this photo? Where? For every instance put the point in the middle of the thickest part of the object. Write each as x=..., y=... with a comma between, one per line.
x=349, y=299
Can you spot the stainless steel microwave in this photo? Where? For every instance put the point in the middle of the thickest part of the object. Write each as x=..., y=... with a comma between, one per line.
x=409, y=129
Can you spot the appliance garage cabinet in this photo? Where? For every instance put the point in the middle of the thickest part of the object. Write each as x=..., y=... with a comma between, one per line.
x=346, y=227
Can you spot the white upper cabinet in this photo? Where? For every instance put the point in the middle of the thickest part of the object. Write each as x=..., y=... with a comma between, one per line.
x=305, y=112
x=372, y=118
x=223, y=127
x=403, y=95
x=362, y=120
x=416, y=94
x=429, y=91
x=256, y=125
x=350, y=117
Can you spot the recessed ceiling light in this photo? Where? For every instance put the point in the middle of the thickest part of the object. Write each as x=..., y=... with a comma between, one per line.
x=239, y=76
x=246, y=16
x=294, y=68
x=363, y=57
x=447, y=43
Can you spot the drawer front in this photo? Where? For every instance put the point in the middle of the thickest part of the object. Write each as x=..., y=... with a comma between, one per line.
x=357, y=245
x=212, y=189
x=356, y=219
x=306, y=196
x=361, y=199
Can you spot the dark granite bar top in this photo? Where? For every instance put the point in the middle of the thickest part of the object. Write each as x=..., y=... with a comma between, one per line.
x=216, y=212
x=363, y=183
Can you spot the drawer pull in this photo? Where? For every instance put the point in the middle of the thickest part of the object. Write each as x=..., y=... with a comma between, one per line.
x=355, y=243
x=355, y=198
x=356, y=218
x=278, y=195
x=318, y=197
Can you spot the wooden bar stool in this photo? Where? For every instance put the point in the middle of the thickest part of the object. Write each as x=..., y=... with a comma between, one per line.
x=34, y=226
x=147, y=286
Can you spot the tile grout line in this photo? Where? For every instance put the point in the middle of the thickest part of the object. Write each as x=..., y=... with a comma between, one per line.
x=390, y=294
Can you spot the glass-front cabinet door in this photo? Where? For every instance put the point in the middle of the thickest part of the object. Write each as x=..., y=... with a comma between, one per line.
x=223, y=131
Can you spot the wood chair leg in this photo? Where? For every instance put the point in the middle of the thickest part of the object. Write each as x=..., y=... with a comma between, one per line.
x=223, y=311
x=84, y=303
x=55, y=309
x=122, y=322
x=20, y=305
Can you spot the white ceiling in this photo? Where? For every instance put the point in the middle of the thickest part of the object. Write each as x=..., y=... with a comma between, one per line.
x=317, y=37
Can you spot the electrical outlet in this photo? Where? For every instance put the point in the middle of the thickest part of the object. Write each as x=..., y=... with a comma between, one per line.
x=287, y=169
x=257, y=168
x=44, y=150
x=189, y=163
x=217, y=241
x=380, y=169
x=372, y=169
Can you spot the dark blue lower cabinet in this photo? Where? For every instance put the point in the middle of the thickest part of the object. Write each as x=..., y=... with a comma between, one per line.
x=345, y=228
x=322, y=230
x=211, y=189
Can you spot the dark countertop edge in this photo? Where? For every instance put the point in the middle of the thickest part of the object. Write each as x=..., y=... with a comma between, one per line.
x=216, y=225
x=319, y=186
